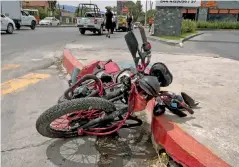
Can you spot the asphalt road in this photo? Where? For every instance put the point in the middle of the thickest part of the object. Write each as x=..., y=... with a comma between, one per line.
x=30, y=85
x=223, y=43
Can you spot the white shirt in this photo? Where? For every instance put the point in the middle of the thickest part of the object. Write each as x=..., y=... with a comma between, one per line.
x=114, y=19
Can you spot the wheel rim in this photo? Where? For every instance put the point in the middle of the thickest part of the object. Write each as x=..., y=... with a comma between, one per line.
x=10, y=28
x=75, y=119
x=68, y=123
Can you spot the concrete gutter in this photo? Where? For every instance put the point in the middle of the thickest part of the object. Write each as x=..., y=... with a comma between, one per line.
x=173, y=42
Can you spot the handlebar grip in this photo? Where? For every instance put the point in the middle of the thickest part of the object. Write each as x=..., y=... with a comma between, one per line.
x=108, y=61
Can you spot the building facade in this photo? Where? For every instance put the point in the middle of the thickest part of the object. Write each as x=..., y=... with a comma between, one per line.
x=35, y=4
x=168, y=19
x=214, y=11
x=67, y=17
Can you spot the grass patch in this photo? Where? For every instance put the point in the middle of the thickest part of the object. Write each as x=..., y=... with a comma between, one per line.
x=217, y=25
x=184, y=35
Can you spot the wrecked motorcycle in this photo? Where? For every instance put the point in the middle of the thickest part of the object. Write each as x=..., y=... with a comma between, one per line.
x=88, y=108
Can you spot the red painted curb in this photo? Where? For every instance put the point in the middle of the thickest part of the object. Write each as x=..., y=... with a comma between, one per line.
x=182, y=147
x=70, y=62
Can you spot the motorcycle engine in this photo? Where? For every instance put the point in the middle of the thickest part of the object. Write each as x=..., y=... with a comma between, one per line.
x=123, y=74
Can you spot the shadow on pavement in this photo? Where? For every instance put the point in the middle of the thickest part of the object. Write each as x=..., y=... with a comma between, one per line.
x=25, y=29
x=73, y=152
x=128, y=147
x=4, y=33
x=96, y=35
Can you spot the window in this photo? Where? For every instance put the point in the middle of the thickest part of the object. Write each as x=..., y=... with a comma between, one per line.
x=222, y=17
x=89, y=15
x=24, y=14
x=2, y=16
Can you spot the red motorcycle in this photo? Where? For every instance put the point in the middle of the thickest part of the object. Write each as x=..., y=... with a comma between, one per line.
x=88, y=107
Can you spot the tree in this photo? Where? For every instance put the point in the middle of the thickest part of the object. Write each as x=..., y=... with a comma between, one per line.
x=137, y=10
x=114, y=9
x=42, y=13
x=58, y=13
x=52, y=6
x=108, y=7
x=79, y=10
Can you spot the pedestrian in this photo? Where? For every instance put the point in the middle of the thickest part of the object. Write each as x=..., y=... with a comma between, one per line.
x=114, y=21
x=108, y=24
x=129, y=21
x=151, y=21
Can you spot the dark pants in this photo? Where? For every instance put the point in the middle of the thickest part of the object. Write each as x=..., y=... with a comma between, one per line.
x=129, y=26
x=150, y=25
x=113, y=27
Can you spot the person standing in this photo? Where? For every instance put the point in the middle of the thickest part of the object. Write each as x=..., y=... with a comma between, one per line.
x=129, y=21
x=151, y=21
x=109, y=23
x=114, y=20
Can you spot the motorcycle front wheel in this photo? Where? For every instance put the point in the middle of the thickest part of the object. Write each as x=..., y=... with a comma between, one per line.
x=64, y=119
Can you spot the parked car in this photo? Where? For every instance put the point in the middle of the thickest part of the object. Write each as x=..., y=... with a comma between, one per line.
x=136, y=24
x=7, y=24
x=50, y=21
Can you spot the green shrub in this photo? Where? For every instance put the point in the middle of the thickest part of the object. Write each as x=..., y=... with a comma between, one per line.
x=42, y=13
x=188, y=26
x=218, y=25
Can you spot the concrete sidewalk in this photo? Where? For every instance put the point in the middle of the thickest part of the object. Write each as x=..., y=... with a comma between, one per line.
x=211, y=80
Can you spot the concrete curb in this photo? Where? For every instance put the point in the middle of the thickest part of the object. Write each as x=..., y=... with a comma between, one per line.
x=183, y=148
x=173, y=42
x=207, y=29
x=61, y=26
x=70, y=62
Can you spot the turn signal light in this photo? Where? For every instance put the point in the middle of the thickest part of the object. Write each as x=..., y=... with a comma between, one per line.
x=94, y=21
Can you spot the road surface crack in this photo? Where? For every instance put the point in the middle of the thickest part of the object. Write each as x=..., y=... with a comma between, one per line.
x=26, y=147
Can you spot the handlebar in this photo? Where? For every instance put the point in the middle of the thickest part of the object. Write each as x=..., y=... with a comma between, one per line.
x=83, y=79
x=143, y=60
x=143, y=35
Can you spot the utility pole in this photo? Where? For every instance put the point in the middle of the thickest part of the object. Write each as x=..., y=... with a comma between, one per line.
x=146, y=4
x=151, y=5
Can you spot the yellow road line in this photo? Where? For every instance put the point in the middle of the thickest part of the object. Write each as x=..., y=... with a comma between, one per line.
x=21, y=82
x=10, y=66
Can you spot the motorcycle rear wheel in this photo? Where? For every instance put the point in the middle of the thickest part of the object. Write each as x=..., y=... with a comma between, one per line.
x=44, y=122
